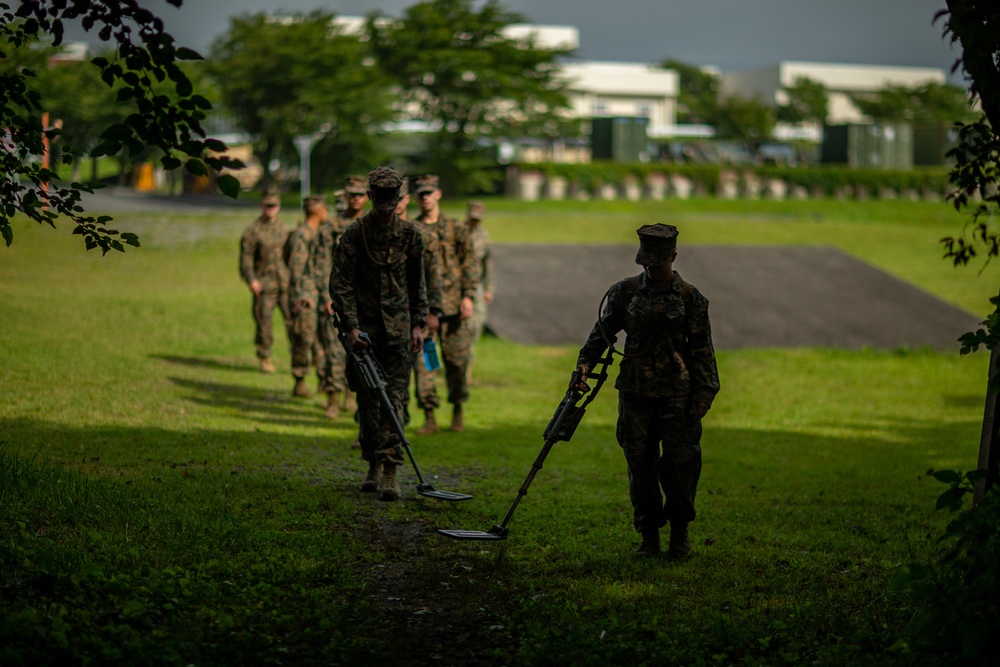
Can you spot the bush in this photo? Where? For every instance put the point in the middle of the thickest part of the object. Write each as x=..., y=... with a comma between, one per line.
x=958, y=597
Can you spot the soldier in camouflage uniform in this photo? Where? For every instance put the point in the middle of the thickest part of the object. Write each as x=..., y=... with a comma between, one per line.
x=334, y=378
x=307, y=349
x=459, y=282
x=262, y=267
x=377, y=288
x=481, y=245
x=666, y=384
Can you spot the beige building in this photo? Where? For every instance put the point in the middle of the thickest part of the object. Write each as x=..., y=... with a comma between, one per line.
x=769, y=84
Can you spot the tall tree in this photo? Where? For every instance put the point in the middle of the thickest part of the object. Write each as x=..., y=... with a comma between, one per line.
x=458, y=71
x=299, y=74
x=975, y=26
x=928, y=103
x=807, y=101
x=144, y=55
x=698, y=101
x=744, y=119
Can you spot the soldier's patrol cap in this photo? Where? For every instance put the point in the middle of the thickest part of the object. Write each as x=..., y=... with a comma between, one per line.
x=313, y=201
x=384, y=184
x=425, y=183
x=271, y=197
x=656, y=243
x=356, y=185
x=477, y=210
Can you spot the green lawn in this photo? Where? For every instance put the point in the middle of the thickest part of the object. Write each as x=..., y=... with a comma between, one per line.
x=165, y=503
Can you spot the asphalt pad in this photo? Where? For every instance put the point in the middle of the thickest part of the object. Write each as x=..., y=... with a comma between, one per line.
x=760, y=297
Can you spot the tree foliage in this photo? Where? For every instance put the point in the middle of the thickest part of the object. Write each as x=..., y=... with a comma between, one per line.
x=458, y=71
x=299, y=74
x=144, y=57
x=698, y=100
x=744, y=119
x=807, y=101
x=928, y=103
x=975, y=26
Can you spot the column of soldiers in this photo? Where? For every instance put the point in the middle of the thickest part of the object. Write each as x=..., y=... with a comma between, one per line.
x=295, y=276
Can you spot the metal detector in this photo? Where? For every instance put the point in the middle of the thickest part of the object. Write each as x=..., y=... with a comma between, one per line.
x=370, y=375
x=561, y=427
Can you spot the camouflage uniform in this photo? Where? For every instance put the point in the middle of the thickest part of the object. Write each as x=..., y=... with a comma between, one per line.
x=459, y=275
x=327, y=238
x=307, y=348
x=669, y=364
x=378, y=287
x=481, y=245
x=262, y=259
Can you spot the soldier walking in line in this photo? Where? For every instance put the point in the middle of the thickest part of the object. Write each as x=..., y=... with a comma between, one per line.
x=666, y=384
x=263, y=268
x=335, y=379
x=307, y=349
x=459, y=283
x=377, y=288
x=481, y=246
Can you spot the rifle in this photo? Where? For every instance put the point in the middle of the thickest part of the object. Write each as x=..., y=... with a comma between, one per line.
x=561, y=427
x=369, y=375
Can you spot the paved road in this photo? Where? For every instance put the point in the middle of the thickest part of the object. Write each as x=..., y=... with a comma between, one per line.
x=795, y=296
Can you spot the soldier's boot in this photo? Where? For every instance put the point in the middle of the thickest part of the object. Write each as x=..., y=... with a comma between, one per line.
x=430, y=426
x=374, y=478
x=457, y=423
x=301, y=390
x=680, y=544
x=266, y=365
x=389, y=489
x=333, y=405
x=650, y=543
x=350, y=403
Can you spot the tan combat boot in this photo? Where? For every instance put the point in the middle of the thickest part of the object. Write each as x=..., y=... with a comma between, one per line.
x=457, y=424
x=266, y=365
x=680, y=544
x=374, y=478
x=389, y=489
x=301, y=390
x=350, y=403
x=430, y=426
x=650, y=543
x=333, y=405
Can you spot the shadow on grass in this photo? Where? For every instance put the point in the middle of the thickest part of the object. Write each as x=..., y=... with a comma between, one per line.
x=208, y=362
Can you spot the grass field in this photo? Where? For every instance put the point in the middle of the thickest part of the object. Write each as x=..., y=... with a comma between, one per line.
x=165, y=503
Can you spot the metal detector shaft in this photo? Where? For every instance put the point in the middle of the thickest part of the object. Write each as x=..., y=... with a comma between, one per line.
x=372, y=378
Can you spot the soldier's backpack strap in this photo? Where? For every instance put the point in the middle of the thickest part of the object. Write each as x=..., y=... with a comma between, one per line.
x=632, y=284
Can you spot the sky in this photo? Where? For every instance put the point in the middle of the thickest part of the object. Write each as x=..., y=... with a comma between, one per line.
x=729, y=34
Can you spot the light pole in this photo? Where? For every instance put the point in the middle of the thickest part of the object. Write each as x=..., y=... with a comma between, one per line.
x=304, y=144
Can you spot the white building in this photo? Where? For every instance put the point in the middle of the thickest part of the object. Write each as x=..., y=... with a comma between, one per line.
x=769, y=84
x=600, y=88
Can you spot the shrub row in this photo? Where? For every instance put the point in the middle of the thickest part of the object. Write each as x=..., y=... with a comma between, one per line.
x=827, y=180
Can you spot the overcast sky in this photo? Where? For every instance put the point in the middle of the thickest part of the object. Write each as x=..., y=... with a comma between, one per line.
x=729, y=34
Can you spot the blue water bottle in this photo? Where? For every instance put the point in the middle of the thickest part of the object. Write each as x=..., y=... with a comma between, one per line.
x=431, y=355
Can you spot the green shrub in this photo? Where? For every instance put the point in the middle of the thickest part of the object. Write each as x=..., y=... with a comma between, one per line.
x=958, y=622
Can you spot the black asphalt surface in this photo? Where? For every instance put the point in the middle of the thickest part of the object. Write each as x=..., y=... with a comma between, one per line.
x=761, y=297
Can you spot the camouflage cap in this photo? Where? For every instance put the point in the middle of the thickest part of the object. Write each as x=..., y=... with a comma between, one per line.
x=271, y=197
x=425, y=183
x=656, y=243
x=384, y=184
x=356, y=185
x=312, y=201
x=477, y=210
x=404, y=188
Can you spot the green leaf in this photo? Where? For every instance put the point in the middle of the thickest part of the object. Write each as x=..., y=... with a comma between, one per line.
x=8, y=234
x=229, y=185
x=196, y=167
x=948, y=476
x=185, y=53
